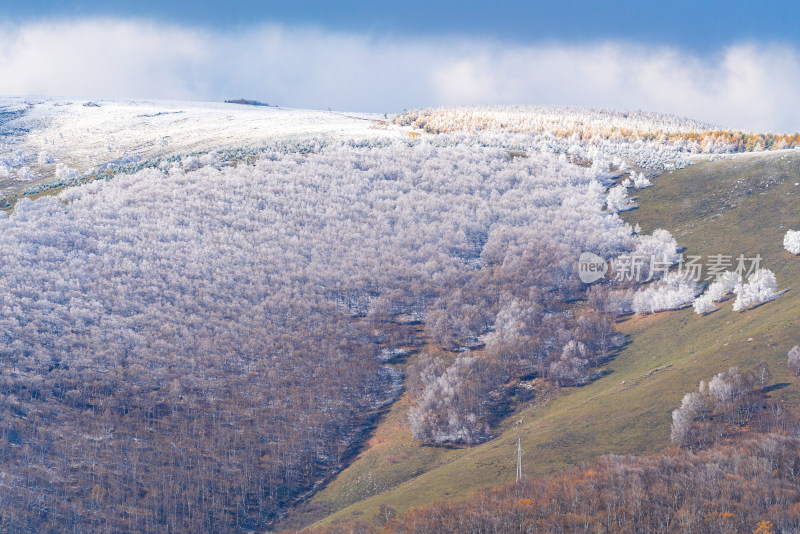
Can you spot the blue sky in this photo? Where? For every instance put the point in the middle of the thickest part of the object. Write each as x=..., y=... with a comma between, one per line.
x=697, y=25
x=732, y=63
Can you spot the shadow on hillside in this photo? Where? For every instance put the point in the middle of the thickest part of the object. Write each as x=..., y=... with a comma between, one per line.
x=775, y=387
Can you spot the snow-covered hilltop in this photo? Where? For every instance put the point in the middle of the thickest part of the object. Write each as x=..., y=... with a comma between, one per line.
x=650, y=139
x=50, y=142
x=54, y=139
x=558, y=120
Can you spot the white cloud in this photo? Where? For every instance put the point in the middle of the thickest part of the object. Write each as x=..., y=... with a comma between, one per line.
x=748, y=86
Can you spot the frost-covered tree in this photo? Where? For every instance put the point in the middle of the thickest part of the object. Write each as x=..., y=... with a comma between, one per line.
x=762, y=373
x=728, y=386
x=693, y=406
x=571, y=367
x=760, y=288
x=640, y=181
x=617, y=199
x=723, y=286
x=45, y=158
x=25, y=174
x=64, y=172
x=703, y=304
x=720, y=289
x=720, y=389
x=454, y=407
x=197, y=296
x=673, y=292
x=794, y=359
x=791, y=241
x=615, y=302
x=653, y=255
x=200, y=300
x=729, y=398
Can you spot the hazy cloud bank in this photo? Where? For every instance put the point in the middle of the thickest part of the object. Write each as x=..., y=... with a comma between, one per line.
x=750, y=86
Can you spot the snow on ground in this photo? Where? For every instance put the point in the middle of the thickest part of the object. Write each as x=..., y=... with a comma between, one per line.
x=49, y=142
x=48, y=139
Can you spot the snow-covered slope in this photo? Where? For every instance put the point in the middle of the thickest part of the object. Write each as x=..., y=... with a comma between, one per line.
x=56, y=141
x=51, y=139
x=649, y=140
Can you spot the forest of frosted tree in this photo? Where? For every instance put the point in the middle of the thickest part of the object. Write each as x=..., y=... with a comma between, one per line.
x=651, y=140
x=199, y=344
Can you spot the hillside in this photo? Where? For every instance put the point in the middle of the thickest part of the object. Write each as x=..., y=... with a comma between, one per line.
x=237, y=317
x=738, y=204
x=51, y=142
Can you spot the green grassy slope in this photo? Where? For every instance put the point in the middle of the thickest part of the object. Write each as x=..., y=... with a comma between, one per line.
x=736, y=205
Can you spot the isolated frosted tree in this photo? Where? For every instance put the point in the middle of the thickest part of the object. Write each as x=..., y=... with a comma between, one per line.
x=680, y=432
x=693, y=406
x=438, y=323
x=791, y=241
x=762, y=373
x=794, y=359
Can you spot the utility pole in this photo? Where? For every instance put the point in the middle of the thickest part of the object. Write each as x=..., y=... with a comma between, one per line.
x=519, y=459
